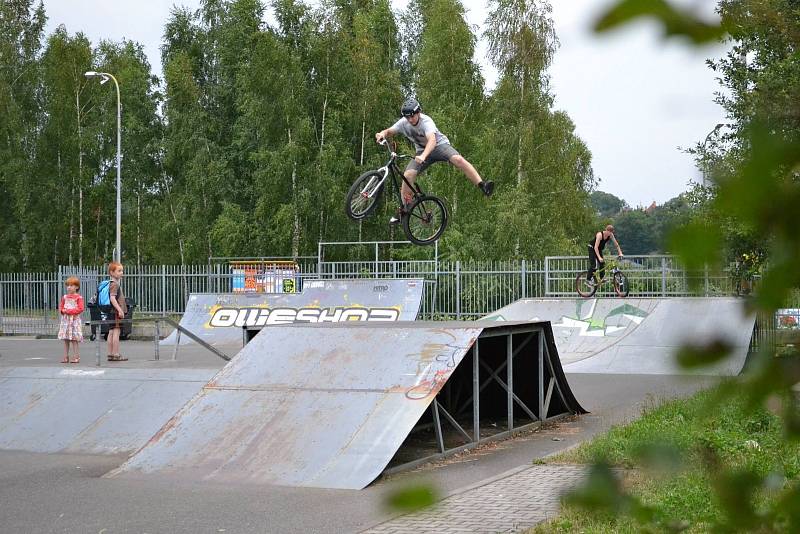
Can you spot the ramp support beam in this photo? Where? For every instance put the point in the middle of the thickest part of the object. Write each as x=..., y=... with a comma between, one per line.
x=521, y=343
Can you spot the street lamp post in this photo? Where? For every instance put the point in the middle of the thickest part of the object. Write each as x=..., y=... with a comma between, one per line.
x=104, y=77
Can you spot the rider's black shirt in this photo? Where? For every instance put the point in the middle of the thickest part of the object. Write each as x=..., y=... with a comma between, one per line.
x=602, y=244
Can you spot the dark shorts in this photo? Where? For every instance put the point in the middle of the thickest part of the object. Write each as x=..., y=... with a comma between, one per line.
x=113, y=316
x=442, y=152
x=594, y=263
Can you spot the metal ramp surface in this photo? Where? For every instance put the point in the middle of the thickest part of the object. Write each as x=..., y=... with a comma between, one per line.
x=90, y=411
x=218, y=318
x=637, y=335
x=329, y=405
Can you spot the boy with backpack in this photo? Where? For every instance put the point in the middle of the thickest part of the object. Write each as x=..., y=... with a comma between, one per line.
x=112, y=303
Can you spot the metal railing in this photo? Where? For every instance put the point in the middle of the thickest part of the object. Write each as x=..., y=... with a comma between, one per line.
x=453, y=289
x=97, y=328
x=648, y=276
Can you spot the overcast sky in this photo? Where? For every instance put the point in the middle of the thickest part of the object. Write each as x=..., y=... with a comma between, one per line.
x=635, y=98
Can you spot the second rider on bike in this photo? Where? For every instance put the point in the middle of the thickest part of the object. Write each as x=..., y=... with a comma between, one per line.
x=596, y=246
x=431, y=146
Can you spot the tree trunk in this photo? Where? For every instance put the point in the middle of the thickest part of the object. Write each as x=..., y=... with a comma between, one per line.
x=322, y=133
x=205, y=207
x=519, y=133
x=175, y=220
x=296, y=231
x=296, y=225
x=71, y=208
x=363, y=129
x=97, y=236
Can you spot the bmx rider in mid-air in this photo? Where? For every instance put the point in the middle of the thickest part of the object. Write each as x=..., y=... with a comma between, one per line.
x=431, y=146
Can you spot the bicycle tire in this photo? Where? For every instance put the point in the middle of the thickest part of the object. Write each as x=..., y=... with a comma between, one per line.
x=362, y=198
x=425, y=220
x=621, y=285
x=582, y=286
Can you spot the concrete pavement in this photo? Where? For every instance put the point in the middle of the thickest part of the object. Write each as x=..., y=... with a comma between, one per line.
x=65, y=493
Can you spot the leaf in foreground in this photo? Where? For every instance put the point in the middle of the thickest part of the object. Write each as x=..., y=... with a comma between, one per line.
x=412, y=498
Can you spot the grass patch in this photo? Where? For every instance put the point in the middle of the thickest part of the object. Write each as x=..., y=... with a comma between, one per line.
x=690, y=461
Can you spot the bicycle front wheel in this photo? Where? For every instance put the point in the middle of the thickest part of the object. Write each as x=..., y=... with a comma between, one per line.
x=425, y=220
x=621, y=285
x=583, y=287
x=362, y=198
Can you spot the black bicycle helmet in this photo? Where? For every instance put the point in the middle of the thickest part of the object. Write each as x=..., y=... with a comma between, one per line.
x=410, y=107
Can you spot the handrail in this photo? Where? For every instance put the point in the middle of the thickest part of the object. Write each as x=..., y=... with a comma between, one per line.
x=158, y=320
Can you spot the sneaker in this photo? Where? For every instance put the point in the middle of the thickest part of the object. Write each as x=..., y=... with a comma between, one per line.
x=397, y=217
x=487, y=188
x=591, y=282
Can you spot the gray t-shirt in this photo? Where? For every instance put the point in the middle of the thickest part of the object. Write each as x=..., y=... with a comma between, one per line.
x=416, y=134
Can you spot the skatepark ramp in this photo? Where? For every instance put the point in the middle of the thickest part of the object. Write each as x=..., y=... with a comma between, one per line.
x=218, y=318
x=637, y=335
x=90, y=411
x=330, y=405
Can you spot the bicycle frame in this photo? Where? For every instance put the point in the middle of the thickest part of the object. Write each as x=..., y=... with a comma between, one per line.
x=609, y=266
x=391, y=168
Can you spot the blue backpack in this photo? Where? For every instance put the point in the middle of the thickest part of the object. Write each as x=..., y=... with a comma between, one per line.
x=103, y=298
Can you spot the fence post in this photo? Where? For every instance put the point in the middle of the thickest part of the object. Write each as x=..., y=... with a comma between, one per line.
x=547, y=275
x=663, y=276
x=319, y=260
x=524, y=280
x=458, y=289
x=177, y=344
x=705, y=272
x=163, y=290
x=156, y=338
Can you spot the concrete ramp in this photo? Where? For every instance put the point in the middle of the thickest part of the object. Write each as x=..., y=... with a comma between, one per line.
x=90, y=411
x=218, y=318
x=637, y=335
x=329, y=406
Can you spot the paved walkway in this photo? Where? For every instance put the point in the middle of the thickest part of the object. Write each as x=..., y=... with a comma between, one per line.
x=509, y=503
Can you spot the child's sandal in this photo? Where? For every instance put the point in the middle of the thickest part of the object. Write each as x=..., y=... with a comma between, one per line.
x=65, y=360
x=75, y=360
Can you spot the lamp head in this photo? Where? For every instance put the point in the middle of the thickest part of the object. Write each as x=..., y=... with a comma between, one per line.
x=93, y=74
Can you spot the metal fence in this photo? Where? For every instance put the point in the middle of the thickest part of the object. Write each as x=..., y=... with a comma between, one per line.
x=648, y=276
x=453, y=290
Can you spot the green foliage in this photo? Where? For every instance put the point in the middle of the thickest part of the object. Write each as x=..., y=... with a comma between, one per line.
x=708, y=462
x=543, y=170
x=606, y=204
x=739, y=463
x=675, y=22
x=411, y=498
x=636, y=232
x=275, y=121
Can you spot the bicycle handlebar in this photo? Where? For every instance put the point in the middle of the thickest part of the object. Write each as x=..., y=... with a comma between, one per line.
x=385, y=142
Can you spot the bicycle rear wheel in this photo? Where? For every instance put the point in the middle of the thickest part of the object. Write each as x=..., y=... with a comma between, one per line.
x=362, y=198
x=583, y=287
x=425, y=220
x=621, y=285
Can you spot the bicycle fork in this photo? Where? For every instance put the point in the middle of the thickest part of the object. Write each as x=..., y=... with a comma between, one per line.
x=369, y=187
